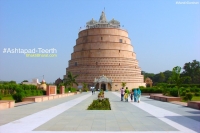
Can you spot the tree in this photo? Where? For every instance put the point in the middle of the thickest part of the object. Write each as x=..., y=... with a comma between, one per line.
x=123, y=84
x=85, y=86
x=167, y=75
x=176, y=79
x=193, y=70
x=12, y=82
x=149, y=75
x=161, y=77
x=71, y=79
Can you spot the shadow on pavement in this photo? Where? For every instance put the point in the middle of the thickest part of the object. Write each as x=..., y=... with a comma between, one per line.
x=194, y=112
x=186, y=122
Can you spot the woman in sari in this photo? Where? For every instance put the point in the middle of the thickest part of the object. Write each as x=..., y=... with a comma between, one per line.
x=135, y=95
x=126, y=94
x=138, y=95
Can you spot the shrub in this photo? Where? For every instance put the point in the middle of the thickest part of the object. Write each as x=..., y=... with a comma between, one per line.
x=183, y=93
x=151, y=90
x=197, y=89
x=187, y=90
x=27, y=93
x=162, y=85
x=183, y=85
x=197, y=94
x=58, y=91
x=1, y=96
x=173, y=92
x=98, y=104
x=43, y=92
x=34, y=92
x=66, y=90
x=18, y=97
x=70, y=89
x=192, y=89
x=189, y=96
x=185, y=98
x=141, y=87
x=73, y=90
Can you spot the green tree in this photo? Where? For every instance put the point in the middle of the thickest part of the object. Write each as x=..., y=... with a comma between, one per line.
x=71, y=79
x=123, y=84
x=192, y=69
x=161, y=77
x=176, y=78
x=85, y=86
x=149, y=75
x=12, y=82
x=167, y=75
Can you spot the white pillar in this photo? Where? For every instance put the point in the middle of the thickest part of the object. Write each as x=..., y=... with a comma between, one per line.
x=106, y=86
x=99, y=86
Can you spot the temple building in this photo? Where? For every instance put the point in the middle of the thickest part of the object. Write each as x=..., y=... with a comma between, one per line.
x=103, y=57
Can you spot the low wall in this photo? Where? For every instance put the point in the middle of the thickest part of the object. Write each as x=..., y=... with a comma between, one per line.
x=5, y=104
x=160, y=97
x=194, y=104
x=45, y=98
x=148, y=94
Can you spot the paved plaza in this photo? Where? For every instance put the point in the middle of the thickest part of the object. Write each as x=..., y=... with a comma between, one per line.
x=69, y=115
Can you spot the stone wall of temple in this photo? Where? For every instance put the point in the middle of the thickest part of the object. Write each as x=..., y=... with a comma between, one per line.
x=105, y=51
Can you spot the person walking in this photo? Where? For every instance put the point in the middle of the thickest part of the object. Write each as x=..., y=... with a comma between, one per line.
x=135, y=95
x=92, y=90
x=127, y=92
x=131, y=95
x=122, y=93
x=138, y=95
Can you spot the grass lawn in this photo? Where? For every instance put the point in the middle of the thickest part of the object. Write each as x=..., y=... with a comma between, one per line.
x=7, y=98
x=196, y=98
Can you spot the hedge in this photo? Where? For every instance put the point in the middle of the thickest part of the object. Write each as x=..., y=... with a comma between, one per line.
x=19, y=91
x=151, y=90
x=71, y=89
x=183, y=85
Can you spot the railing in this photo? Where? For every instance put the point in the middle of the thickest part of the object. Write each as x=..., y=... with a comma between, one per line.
x=85, y=28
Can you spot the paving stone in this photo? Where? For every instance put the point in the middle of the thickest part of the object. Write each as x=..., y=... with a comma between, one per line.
x=124, y=116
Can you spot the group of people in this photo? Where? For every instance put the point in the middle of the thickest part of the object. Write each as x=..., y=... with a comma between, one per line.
x=135, y=93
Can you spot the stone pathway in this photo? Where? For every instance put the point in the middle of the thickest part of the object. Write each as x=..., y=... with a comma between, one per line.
x=69, y=115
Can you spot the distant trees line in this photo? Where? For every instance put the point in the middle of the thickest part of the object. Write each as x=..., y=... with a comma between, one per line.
x=190, y=69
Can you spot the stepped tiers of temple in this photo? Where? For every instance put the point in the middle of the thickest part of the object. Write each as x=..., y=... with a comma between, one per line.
x=103, y=57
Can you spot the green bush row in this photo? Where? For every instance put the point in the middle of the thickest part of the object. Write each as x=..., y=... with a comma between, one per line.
x=14, y=86
x=151, y=90
x=71, y=89
x=183, y=85
x=10, y=89
x=19, y=95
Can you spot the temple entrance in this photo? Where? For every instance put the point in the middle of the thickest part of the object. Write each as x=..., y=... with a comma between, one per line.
x=103, y=87
x=103, y=83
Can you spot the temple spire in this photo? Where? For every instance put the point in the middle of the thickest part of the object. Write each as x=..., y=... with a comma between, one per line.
x=102, y=17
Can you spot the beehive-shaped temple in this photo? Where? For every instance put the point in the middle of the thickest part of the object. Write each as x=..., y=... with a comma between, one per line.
x=103, y=57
